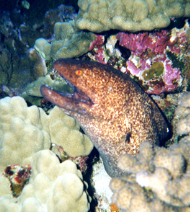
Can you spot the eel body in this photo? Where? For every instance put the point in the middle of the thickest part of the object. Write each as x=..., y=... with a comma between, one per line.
x=111, y=108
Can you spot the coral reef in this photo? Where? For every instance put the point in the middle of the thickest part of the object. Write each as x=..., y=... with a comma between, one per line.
x=53, y=186
x=5, y=91
x=18, y=177
x=157, y=179
x=96, y=46
x=68, y=42
x=6, y=68
x=23, y=132
x=138, y=15
x=62, y=13
x=155, y=60
x=59, y=15
x=182, y=114
x=32, y=91
x=18, y=71
x=106, y=51
x=37, y=65
x=110, y=107
x=43, y=47
x=26, y=130
x=6, y=25
x=80, y=161
x=150, y=61
x=64, y=131
x=18, y=33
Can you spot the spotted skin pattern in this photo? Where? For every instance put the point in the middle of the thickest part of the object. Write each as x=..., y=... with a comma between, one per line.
x=111, y=108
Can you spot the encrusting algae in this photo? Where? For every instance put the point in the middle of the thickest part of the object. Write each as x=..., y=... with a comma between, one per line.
x=156, y=70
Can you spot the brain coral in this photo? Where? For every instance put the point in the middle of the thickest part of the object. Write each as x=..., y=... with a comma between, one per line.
x=130, y=15
x=158, y=179
x=26, y=130
x=53, y=186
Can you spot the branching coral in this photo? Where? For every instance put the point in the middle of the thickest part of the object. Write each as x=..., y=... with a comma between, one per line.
x=158, y=179
x=182, y=114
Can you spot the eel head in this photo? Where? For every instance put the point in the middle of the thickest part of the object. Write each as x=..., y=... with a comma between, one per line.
x=73, y=73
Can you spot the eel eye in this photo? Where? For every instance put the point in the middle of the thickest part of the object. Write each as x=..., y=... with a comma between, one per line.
x=78, y=72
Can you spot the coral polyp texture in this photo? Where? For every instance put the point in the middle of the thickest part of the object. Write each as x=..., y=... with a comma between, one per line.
x=23, y=131
x=53, y=186
x=182, y=114
x=158, y=179
x=26, y=130
x=129, y=15
x=68, y=42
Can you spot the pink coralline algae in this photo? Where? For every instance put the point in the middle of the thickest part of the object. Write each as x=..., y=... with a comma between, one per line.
x=149, y=61
x=143, y=42
x=151, y=58
x=18, y=177
x=80, y=161
x=96, y=45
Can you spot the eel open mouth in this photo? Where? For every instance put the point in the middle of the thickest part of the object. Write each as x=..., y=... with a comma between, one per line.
x=69, y=101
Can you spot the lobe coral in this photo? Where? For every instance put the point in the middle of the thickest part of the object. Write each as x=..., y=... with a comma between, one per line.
x=111, y=108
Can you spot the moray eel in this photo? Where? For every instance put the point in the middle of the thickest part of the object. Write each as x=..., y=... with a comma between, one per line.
x=111, y=108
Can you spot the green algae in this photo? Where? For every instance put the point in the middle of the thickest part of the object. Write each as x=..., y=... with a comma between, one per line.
x=176, y=62
x=155, y=71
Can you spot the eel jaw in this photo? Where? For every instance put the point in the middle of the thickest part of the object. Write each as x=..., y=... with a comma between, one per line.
x=77, y=101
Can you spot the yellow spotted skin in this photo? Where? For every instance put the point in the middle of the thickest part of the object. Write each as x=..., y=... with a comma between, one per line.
x=119, y=115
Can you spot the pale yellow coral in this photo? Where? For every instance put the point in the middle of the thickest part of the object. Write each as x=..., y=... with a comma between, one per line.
x=173, y=162
x=156, y=181
x=133, y=164
x=136, y=15
x=68, y=42
x=53, y=186
x=22, y=132
x=129, y=197
x=182, y=114
x=125, y=194
x=162, y=174
x=64, y=131
x=43, y=47
x=26, y=130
